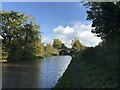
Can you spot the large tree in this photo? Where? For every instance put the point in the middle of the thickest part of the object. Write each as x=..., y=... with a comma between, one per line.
x=105, y=19
x=20, y=33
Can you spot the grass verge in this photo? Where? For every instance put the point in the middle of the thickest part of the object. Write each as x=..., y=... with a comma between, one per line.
x=93, y=68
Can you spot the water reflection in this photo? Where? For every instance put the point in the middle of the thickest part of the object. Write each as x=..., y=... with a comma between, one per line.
x=42, y=73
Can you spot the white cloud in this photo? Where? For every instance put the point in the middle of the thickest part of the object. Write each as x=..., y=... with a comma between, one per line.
x=46, y=40
x=64, y=30
x=77, y=30
x=88, y=38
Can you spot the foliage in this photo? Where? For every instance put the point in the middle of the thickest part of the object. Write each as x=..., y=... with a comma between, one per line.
x=22, y=39
x=49, y=50
x=100, y=63
x=105, y=19
x=20, y=34
x=57, y=43
x=76, y=45
x=40, y=52
x=4, y=52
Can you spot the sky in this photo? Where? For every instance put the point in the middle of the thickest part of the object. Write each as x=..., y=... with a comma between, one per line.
x=58, y=0
x=63, y=20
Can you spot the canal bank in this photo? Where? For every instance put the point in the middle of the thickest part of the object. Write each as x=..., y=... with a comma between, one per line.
x=92, y=68
x=73, y=77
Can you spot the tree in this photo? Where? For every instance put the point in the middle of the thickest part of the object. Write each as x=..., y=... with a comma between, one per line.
x=20, y=34
x=12, y=23
x=31, y=38
x=57, y=43
x=50, y=50
x=76, y=45
x=105, y=19
x=40, y=49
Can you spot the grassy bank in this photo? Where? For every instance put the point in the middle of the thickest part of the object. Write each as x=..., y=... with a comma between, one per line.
x=93, y=68
x=73, y=77
x=100, y=65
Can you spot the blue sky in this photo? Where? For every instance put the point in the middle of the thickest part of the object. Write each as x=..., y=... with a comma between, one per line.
x=52, y=15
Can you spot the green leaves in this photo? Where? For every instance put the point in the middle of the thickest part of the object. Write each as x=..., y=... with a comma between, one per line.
x=76, y=45
x=57, y=43
x=20, y=34
x=49, y=50
x=105, y=17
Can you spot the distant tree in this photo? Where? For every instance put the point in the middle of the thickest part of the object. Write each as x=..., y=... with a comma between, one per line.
x=76, y=45
x=57, y=43
x=40, y=49
x=49, y=50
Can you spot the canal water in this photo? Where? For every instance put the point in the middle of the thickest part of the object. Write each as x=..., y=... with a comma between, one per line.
x=40, y=73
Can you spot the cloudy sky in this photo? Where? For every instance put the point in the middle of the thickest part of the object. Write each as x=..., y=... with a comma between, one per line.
x=61, y=20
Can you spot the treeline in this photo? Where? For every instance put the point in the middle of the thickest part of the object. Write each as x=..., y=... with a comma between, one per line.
x=22, y=38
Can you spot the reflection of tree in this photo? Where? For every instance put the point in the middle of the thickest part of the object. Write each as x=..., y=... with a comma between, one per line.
x=22, y=74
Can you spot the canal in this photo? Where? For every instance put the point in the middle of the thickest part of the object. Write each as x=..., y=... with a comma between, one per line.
x=40, y=73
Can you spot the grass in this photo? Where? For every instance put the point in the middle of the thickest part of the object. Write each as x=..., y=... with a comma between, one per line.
x=73, y=77
x=93, y=68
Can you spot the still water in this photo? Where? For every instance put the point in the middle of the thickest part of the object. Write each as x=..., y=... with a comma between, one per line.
x=41, y=73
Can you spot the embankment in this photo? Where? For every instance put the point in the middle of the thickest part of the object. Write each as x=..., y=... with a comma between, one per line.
x=92, y=68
